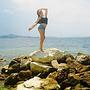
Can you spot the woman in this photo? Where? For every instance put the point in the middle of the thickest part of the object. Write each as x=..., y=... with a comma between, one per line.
x=42, y=20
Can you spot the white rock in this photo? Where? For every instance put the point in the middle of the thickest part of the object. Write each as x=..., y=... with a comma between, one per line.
x=31, y=84
x=34, y=82
x=37, y=83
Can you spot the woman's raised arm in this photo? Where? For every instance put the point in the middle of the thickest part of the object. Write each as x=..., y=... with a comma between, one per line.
x=46, y=11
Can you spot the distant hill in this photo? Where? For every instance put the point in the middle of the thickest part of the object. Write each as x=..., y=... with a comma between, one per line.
x=14, y=36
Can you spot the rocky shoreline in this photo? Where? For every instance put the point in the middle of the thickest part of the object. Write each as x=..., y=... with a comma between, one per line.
x=49, y=70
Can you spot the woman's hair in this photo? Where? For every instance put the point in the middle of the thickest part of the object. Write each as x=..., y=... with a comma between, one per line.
x=39, y=13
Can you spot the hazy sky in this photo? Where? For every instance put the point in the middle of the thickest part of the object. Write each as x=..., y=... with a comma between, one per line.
x=67, y=18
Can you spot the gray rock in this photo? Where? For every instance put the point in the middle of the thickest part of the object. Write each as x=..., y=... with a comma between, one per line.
x=47, y=56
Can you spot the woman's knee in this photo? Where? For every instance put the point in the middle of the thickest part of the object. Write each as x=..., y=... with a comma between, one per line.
x=42, y=38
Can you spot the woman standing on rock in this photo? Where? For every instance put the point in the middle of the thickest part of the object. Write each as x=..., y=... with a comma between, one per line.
x=42, y=20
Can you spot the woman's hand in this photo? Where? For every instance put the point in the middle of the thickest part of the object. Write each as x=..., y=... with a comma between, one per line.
x=34, y=24
x=30, y=29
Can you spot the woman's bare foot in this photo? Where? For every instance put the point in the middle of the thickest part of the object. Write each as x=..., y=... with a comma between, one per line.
x=41, y=50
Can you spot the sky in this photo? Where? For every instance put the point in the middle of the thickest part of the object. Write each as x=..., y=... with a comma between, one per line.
x=66, y=18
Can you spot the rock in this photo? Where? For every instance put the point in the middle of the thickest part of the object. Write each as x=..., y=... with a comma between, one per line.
x=85, y=78
x=17, y=64
x=33, y=82
x=68, y=88
x=16, y=77
x=39, y=68
x=48, y=70
x=2, y=60
x=79, y=87
x=72, y=70
x=76, y=65
x=83, y=59
x=10, y=70
x=50, y=84
x=60, y=66
x=45, y=74
x=64, y=58
x=59, y=76
x=4, y=69
x=12, y=79
x=75, y=76
x=2, y=76
x=37, y=83
x=14, y=62
x=80, y=53
x=24, y=75
x=23, y=60
x=68, y=82
x=47, y=56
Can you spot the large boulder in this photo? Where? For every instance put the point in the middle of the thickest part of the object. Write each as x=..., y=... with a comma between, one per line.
x=37, y=83
x=47, y=56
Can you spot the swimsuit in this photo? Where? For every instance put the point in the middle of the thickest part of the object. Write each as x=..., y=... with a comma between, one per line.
x=41, y=26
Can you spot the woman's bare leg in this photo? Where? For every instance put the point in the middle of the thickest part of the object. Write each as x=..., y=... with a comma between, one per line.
x=42, y=37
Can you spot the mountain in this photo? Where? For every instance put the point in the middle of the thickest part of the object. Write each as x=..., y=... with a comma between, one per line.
x=14, y=36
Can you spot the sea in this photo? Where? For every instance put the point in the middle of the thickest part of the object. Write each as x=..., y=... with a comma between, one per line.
x=14, y=46
x=11, y=47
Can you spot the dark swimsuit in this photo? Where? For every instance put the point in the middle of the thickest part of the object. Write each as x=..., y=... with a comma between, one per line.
x=42, y=20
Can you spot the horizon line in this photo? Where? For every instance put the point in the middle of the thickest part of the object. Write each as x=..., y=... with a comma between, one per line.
x=46, y=36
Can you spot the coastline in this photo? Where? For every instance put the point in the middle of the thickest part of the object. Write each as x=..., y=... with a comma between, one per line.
x=77, y=64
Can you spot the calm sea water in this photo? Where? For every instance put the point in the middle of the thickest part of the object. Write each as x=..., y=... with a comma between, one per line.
x=12, y=47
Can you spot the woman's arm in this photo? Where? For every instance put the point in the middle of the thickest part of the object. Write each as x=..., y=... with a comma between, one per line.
x=36, y=22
